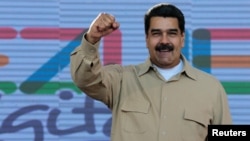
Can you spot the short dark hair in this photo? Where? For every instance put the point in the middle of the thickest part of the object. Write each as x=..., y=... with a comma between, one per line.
x=164, y=10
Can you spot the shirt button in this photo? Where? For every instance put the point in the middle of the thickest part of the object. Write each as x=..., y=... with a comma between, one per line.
x=163, y=133
x=92, y=50
x=164, y=116
x=165, y=99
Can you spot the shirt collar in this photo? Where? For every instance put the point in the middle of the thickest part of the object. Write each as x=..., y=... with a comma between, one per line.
x=187, y=69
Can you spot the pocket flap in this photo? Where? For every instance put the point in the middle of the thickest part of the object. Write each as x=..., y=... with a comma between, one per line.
x=136, y=105
x=196, y=115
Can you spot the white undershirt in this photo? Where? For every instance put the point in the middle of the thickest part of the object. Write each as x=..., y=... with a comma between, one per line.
x=168, y=73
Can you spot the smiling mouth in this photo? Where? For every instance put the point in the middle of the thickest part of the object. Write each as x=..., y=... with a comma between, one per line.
x=165, y=50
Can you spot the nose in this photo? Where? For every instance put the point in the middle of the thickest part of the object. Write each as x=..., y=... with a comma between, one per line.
x=164, y=38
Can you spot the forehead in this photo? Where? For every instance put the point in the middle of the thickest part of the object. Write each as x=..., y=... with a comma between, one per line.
x=163, y=23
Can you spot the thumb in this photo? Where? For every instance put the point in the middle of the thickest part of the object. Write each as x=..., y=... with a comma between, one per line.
x=108, y=31
x=112, y=28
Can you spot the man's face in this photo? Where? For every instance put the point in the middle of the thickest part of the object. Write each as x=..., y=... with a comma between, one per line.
x=164, y=41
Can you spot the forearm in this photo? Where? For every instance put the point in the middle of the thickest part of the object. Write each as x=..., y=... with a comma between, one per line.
x=85, y=66
x=97, y=81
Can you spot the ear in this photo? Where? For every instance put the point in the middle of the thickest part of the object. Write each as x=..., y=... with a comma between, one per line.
x=146, y=39
x=183, y=39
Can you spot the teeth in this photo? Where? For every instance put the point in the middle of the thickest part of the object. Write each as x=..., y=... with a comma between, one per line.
x=165, y=50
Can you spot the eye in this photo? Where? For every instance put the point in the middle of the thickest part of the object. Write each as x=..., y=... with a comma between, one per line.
x=156, y=33
x=172, y=33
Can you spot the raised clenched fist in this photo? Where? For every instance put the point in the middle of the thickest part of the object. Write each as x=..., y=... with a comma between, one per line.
x=102, y=25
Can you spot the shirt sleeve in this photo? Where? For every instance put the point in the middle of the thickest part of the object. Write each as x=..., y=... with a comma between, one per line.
x=84, y=59
x=222, y=111
x=90, y=76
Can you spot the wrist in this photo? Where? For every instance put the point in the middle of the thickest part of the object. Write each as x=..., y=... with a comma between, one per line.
x=91, y=39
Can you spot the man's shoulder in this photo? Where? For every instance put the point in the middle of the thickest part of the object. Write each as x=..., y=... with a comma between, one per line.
x=119, y=67
x=204, y=76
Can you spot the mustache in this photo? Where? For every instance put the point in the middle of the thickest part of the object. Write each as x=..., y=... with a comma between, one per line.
x=161, y=47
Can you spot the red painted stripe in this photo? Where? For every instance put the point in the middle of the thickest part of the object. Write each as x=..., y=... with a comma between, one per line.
x=112, y=51
x=112, y=43
x=230, y=34
x=50, y=33
x=7, y=33
x=70, y=33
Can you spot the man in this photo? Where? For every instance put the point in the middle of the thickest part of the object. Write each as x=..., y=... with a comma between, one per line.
x=162, y=99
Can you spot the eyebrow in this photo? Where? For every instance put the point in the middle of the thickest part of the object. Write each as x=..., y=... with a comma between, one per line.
x=169, y=30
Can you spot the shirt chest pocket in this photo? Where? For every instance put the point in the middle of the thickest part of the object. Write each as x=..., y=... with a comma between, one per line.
x=195, y=124
x=135, y=115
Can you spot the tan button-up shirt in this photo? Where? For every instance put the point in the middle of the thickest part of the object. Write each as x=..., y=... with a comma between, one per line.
x=145, y=107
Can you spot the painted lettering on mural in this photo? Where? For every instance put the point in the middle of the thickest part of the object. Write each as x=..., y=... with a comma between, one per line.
x=88, y=111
